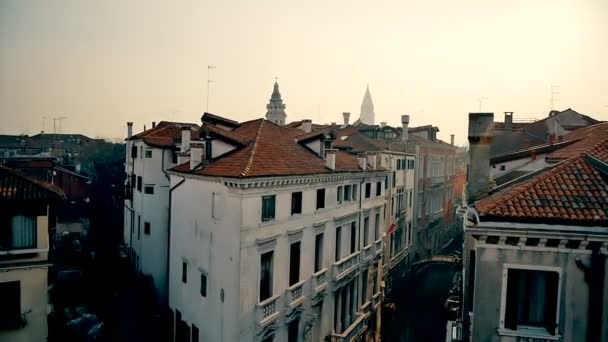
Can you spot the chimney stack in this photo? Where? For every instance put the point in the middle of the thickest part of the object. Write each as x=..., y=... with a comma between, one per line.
x=480, y=139
x=452, y=139
x=362, y=161
x=346, y=116
x=129, y=129
x=185, y=139
x=330, y=159
x=371, y=160
x=306, y=125
x=508, y=120
x=153, y=124
x=196, y=154
x=405, y=122
x=383, y=124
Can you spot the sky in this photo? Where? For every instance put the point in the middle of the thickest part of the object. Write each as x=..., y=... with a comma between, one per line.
x=103, y=63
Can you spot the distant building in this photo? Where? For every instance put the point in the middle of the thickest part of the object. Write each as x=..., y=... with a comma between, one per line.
x=367, y=115
x=535, y=248
x=276, y=233
x=275, y=109
x=25, y=218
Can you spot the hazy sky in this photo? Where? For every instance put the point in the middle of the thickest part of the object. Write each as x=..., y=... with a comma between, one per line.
x=102, y=63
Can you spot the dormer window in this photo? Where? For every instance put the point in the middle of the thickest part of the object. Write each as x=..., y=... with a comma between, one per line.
x=326, y=146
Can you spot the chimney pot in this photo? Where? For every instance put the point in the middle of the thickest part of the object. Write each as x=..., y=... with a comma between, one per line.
x=330, y=159
x=383, y=124
x=405, y=122
x=153, y=124
x=508, y=120
x=196, y=154
x=452, y=139
x=480, y=139
x=306, y=125
x=129, y=129
x=346, y=116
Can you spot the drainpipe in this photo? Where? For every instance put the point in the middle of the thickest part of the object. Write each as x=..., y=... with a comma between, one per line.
x=169, y=234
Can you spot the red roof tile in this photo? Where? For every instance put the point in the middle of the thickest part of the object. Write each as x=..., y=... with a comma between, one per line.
x=15, y=186
x=165, y=133
x=586, y=137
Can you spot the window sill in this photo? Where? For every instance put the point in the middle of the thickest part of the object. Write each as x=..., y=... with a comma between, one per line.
x=529, y=332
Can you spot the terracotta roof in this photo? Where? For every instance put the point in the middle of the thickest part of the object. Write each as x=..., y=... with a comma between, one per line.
x=165, y=134
x=225, y=134
x=215, y=119
x=573, y=192
x=15, y=186
x=272, y=150
x=585, y=137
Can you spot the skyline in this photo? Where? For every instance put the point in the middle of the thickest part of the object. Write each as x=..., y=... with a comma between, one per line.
x=102, y=64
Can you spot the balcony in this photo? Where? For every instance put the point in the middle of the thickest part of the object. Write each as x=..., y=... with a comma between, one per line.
x=294, y=295
x=319, y=281
x=267, y=311
x=436, y=180
x=346, y=266
x=379, y=246
x=354, y=331
x=367, y=253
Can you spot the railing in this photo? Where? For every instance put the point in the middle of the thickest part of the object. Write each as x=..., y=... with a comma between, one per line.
x=267, y=311
x=367, y=252
x=319, y=281
x=376, y=300
x=398, y=257
x=294, y=295
x=345, y=266
x=379, y=246
x=354, y=331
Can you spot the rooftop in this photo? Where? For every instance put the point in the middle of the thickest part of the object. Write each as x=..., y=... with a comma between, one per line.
x=165, y=134
x=15, y=186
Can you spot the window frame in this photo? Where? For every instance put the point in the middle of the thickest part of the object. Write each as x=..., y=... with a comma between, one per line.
x=319, y=192
x=368, y=190
x=274, y=208
x=149, y=189
x=378, y=188
x=296, y=210
x=535, y=332
x=203, y=289
x=146, y=228
x=148, y=153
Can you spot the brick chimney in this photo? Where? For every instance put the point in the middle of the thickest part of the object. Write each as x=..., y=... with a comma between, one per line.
x=508, y=120
x=480, y=139
x=330, y=159
x=452, y=139
x=346, y=116
x=196, y=154
x=306, y=125
x=185, y=139
x=129, y=129
x=405, y=122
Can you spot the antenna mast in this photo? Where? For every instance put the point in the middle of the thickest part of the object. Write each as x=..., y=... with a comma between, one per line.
x=554, y=92
x=480, y=101
x=209, y=81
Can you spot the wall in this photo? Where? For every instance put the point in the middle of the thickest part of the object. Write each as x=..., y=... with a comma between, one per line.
x=528, y=164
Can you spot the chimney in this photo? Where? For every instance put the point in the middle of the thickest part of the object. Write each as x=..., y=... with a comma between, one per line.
x=153, y=124
x=306, y=125
x=185, y=139
x=129, y=129
x=330, y=159
x=405, y=122
x=452, y=139
x=508, y=120
x=383, y=124
x=480, y=139
x=362, y=160
x=196, y=154
x=371, y=160
x=346, y=116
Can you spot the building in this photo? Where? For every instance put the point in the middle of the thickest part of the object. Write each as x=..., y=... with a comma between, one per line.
x=26, y=207
x=275, y=109
x=535, y=248
x=276, y=233
x=367, y=115
x=146, y=220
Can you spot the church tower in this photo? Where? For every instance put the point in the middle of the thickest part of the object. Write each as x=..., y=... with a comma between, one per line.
x=275, y=108
x=367, y=109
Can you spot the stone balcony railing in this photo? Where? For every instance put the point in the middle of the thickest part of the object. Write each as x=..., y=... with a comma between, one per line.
x=379, y=246
x=267, y=311
x=367, y=253
x=354, y=331
x=319, y=281
x=345, y=266
x=294, y=295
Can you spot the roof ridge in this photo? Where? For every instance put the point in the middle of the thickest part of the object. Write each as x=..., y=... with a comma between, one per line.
x=247, y=167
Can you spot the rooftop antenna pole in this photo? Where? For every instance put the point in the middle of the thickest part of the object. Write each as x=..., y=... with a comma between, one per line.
x=554, y=92
x=480, y=101
x=43, y=120
x=209, y=81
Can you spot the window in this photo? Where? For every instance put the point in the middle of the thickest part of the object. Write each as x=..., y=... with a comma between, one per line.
x=294, y=263
x=502, y=168
x=184, y=272
x=296, y=203
x=318, y=252
x=339, y=193
x=338, y=245
x=385, y=182
x=355, y=188
x=366, y=231
x=353, y=237
x=347, y=193
x=147, y=228
x=138, y=227
x=378, y=188
x=377, y=228
x=203, y=284
x=174, y=157
x=364, y=280
x=149, y=189
x=139, y=182
x=133, y=180
x=21, y=235
x=208, y=150
x=531, y=299
x=394, y=178
x=10, y=297
x=368, y=190
x=141, y=151
x=266, y=275
x=411, y=198
x=133, y=152
x=268, y=206
x=292, y=331
x=320, y=198
x=148, y=153
x=194, y=333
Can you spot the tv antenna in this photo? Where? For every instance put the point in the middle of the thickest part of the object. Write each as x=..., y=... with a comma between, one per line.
x=480, y=102
x=55, y=120
x=209, y=81
x=554, y=91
